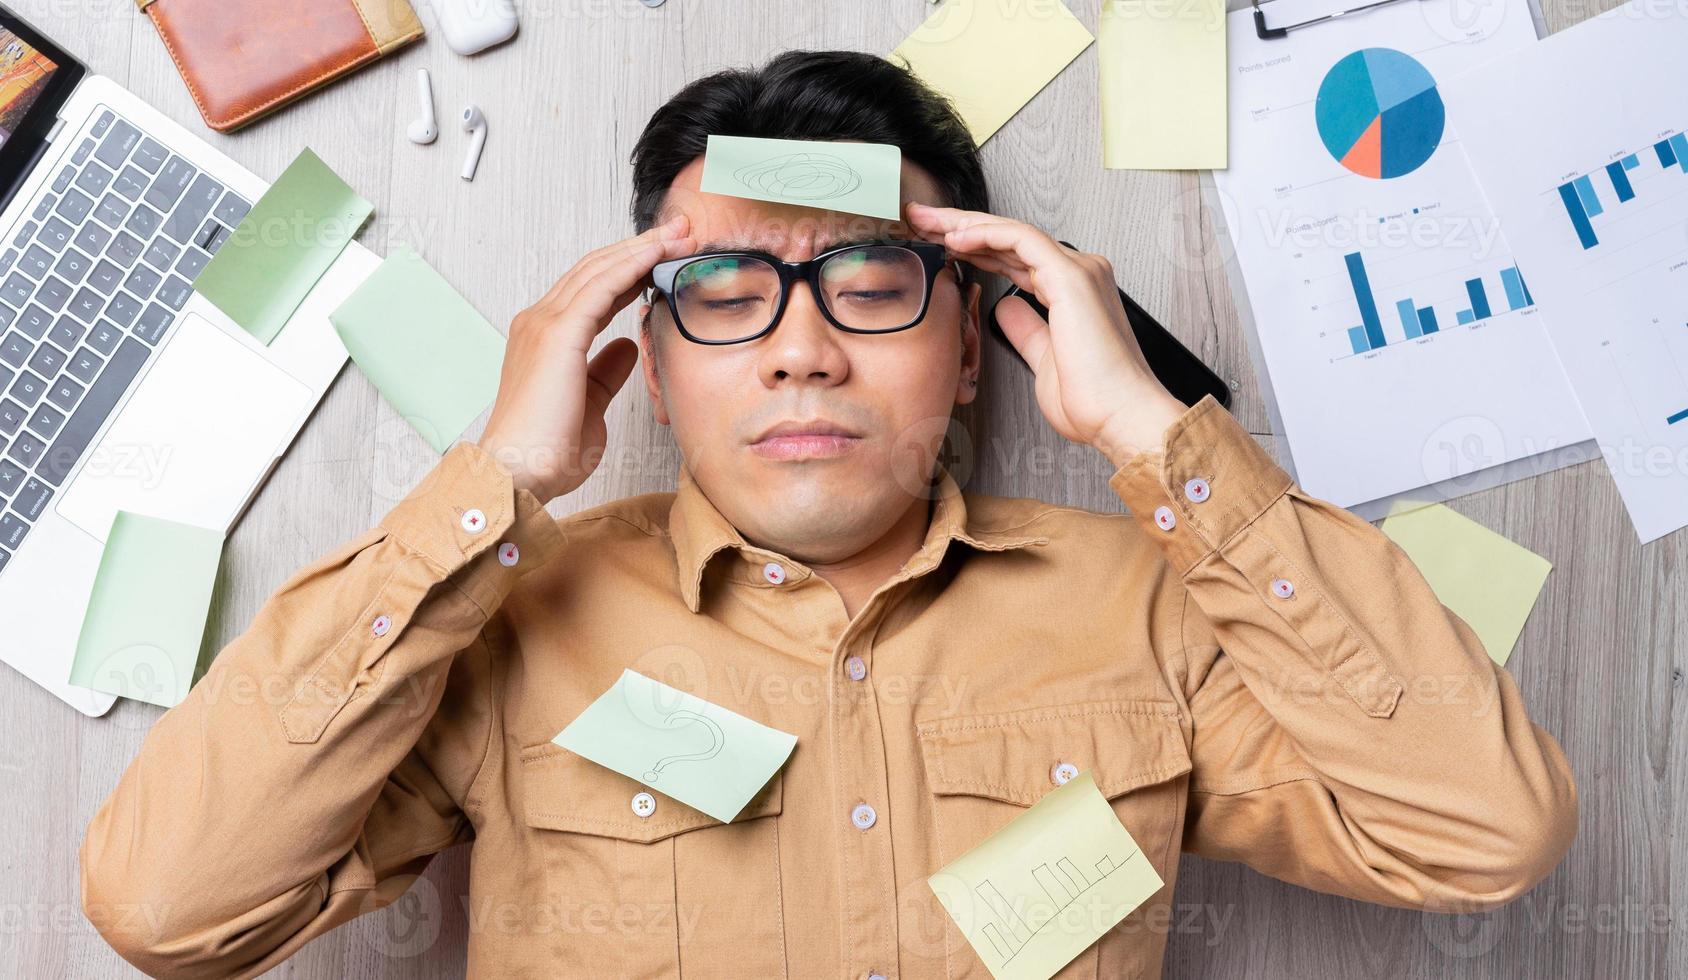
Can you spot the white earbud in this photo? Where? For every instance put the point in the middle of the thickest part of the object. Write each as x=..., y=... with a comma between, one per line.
x=474, y=123
x=425, y=129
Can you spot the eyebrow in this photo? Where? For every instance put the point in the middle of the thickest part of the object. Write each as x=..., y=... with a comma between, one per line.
x=742, y=246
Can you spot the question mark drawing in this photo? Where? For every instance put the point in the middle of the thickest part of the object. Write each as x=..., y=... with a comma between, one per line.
x=683, y=716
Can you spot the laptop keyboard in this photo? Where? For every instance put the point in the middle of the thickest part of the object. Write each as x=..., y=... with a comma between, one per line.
x=89, y=286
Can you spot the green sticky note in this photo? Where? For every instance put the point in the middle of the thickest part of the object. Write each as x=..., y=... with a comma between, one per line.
x=1486, y=580
x=697, y=752
x=861, y=178
x=283, y=246
x=145, y=619
x=990, y=57
x=1039, y=891
x=430, y=354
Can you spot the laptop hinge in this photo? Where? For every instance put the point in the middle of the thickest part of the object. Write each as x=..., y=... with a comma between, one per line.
x=58, y=127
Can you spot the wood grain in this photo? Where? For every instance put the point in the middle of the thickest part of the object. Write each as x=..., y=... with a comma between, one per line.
x=1599, y=662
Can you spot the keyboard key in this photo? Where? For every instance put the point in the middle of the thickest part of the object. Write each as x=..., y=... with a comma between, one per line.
x=84, y=365
x=32, y=499
x=192, y=264
x=144, y=222
x=153, y=323
x=168, y=188
x=11, y=416
x=6, y=375
x=47, y=360
x=35, y=262
x=217, y=240
x=232, y=209
x=142, y=281
x=92, y=238
x=117, y=144
x=111, y=210
x=53, y=294
x=55, y=234
x=86, y=306
x=7, y=315
x=74, y=207
x=106, y=277
x=123, y=309
x=150, y=155
x=104, y=336
x=44, y=207
x=66, y=333
x=65, y=392
x=27, y=449
x=125, y=249
x=25, y=234
x=28, y=389
x=206, y=233
x=196, y=205
x=73, y=266
x=9, y=259
x=46, y=421
x=83, y=152
x=16, y=289
x=131, y=183
x=12, y=530
x=93, y=180
x=14, y=350
x=35, y=321
x=174, y=293
x=103, y=123
x=62, y=181
x=11, y=476
x=159, y=255
x=85, y=422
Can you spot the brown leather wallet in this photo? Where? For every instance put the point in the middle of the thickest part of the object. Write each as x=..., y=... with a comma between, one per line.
x=243, y=59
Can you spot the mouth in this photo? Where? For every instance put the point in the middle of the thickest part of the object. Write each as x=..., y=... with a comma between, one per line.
x=794, y=441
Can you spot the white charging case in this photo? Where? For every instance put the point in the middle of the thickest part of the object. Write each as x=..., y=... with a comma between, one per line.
x=470, y=26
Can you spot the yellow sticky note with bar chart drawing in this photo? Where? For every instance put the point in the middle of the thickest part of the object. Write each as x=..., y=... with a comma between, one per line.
x=1039, y=891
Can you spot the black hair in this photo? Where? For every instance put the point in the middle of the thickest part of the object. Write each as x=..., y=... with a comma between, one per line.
x=810, y=95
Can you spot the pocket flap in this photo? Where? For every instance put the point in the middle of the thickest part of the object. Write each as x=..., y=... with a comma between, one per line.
x=565, y=791
x=1012, y=756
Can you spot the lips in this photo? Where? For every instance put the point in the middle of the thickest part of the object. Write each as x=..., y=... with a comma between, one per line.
x=795, y=441
x=818, y=427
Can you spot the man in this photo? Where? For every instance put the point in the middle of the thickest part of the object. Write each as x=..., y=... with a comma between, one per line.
x=1246, y=672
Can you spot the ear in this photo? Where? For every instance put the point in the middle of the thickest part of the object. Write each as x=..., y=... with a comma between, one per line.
x=972, y=351
x=653, y=379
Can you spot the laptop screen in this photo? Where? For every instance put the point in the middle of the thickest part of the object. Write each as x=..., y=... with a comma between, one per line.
x=36, y=77
x=25, y=74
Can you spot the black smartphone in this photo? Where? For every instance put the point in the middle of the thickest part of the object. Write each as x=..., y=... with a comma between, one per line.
x=1180, y=371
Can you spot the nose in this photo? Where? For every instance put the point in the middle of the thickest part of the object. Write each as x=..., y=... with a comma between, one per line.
x=803, y=347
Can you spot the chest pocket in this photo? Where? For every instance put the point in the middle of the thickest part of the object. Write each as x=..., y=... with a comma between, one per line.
x=985, y=770
x=655, y=886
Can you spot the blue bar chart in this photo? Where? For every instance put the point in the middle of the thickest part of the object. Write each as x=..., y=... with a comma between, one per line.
x=1420, y=321
x=1582, y=199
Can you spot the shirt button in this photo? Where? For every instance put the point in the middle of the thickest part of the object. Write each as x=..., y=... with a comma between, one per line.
x=644, y=804
x=509, y=554
x=863, y=816
x=773, y=572
x=1063, y=773
x=1196, y=490
x=876, y=975
x=381, y=625
x=1164, y=519
x=855, y=668
x=474, y=521
x=1283, y=588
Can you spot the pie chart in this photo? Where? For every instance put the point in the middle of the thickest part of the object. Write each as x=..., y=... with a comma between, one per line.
x=1379, y=113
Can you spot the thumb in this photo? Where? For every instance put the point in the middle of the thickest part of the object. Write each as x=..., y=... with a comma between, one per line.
x=1024, y=329
x=607, y=372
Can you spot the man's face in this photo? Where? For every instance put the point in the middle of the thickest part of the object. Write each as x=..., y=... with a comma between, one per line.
x=817, y=500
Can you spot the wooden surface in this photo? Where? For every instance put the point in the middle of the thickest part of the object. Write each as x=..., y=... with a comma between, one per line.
x=1598, y=662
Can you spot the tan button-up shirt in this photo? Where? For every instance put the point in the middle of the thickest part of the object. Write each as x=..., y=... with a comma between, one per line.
x=1250, y=674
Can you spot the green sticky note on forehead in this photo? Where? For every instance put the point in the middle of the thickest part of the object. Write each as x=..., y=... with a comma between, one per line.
x=861, y=178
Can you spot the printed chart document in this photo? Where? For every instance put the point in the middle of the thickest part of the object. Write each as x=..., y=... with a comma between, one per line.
x=1400, y=338
x=1579, y=143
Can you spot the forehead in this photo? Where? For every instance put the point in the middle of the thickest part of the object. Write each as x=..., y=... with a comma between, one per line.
x=786, y=230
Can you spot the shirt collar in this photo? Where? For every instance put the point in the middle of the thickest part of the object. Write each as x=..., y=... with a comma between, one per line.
x=699, y=532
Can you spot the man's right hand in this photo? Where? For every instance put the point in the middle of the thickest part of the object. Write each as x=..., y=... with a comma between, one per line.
x=547, y=425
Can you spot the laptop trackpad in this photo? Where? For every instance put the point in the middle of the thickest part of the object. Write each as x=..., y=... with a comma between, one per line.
x=204, y=425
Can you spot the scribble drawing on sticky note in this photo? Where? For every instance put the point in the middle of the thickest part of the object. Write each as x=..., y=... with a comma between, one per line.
x=1063, y=883
x=801, y=176
x=680, y=716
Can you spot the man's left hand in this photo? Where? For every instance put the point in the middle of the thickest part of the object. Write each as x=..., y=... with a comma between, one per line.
x=1092, y=381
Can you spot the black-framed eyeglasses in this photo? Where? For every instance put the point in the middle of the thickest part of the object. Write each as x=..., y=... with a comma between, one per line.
x=865, y=287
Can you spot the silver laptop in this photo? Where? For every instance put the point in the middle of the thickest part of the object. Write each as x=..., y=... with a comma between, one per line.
x=120, y=387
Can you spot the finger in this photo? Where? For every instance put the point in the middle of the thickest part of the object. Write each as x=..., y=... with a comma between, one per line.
x=1027, y=331
x=676, y=227
x=607, y=372
x=926, y=217
x=614, y=288
x=1036, y=250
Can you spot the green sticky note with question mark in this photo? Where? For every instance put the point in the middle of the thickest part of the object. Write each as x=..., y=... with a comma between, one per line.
x=708, y=757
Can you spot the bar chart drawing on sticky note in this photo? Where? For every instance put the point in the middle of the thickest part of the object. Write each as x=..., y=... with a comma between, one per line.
x=1584, y=201
x=1062, y=882
x=1379, y=113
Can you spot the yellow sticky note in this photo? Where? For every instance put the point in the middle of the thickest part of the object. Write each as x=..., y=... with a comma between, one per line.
x=1487, y=580
x=1163, y=73
x=1039, y=891
x=990, y=57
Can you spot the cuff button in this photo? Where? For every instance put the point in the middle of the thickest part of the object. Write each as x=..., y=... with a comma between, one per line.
x=1197, y=490
x=1283, y=588
x=1164, y=519
x=381, y=625
x=509, y=554
x=474, y=521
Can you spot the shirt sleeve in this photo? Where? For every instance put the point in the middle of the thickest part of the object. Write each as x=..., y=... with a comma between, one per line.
x=327, y=753
x=1350, y=733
